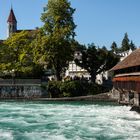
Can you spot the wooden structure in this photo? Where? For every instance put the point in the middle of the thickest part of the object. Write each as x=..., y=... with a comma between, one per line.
x=127, y=79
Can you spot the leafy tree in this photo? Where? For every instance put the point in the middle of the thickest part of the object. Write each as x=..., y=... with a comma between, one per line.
x=95, y=60
x=114, y=47
x=4, y=55
x=59, y=29
x=125, y=43
x=39, y=48
x=18, y=55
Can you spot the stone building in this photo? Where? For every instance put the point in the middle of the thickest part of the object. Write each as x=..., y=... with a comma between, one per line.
x=127, y=79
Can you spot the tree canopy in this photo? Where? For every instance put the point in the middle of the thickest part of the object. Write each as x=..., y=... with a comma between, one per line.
x=126, y=44
x=17, y=54
x=96, y=60
x=114, y=47
x=59, y=30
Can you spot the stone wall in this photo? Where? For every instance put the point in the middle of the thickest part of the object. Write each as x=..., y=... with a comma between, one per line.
x=19, y=81
x=115, y=94
x=22, y=91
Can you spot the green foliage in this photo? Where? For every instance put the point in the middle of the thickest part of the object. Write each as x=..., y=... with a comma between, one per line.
x=59, y=30
x=58, y=19
x=132, y=45
x=67, y=89
x=96, y=60
x=96, y=89
x=17, y=55
x=114, y=47
x=74, y=88
x=54, y=89
x=58, y=89
x=125, y=43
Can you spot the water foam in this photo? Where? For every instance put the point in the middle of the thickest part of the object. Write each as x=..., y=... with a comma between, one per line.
x=67, y=121
x=5, y=135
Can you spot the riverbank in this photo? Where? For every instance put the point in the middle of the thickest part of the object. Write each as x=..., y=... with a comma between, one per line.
x=98, y=97
x=105, y=97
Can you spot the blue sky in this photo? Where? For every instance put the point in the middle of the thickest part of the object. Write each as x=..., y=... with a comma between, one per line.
x=98, y=21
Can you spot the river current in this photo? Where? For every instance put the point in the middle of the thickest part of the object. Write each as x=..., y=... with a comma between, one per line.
x=67, y=121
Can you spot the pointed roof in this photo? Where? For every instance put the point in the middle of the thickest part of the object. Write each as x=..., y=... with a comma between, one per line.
x=12, y=18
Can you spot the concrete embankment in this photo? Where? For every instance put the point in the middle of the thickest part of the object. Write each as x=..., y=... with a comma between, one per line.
x=98, y=97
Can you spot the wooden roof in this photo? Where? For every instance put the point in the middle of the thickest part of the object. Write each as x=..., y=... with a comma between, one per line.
x=130, y=61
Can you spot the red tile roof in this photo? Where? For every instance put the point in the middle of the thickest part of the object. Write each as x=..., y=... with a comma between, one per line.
x=12, y=18
x=130, y=61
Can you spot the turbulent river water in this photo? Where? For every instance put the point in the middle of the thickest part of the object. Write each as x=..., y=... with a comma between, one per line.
x=67, y=121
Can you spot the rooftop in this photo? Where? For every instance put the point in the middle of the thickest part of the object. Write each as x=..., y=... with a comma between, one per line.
x=11, y=17
x=130, y=61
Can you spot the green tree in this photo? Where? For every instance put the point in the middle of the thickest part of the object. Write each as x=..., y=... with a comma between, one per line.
x=114, y=47
x=59, y=30
x=104, y=48
x=125, y=43
x=18, y=54
x=4, y=56
x=95, y=60
x=132, y=45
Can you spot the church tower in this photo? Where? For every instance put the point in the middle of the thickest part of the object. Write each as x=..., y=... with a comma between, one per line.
x=12, y=23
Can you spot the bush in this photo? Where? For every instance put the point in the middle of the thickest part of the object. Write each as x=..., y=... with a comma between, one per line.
x=67, y=89
x=97, y=89
x=72, y=88
x=53, y=88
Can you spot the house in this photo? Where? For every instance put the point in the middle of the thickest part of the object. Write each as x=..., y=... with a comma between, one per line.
x=126, y=79
x=74, y=70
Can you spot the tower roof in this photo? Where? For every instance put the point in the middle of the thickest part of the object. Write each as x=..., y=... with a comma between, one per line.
x=12, y=18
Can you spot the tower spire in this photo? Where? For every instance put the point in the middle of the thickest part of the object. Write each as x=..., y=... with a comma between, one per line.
x=11, y=18
x=12, y=22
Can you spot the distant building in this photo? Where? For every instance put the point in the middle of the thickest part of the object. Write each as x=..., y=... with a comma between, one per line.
x=124, y=54
x=127, y=79
x=75, y=70
x=12, y=24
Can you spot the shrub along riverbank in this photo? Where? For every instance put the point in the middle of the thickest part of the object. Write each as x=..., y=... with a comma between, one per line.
x=59, y=89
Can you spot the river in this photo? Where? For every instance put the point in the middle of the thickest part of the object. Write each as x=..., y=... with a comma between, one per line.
x=22, y=120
